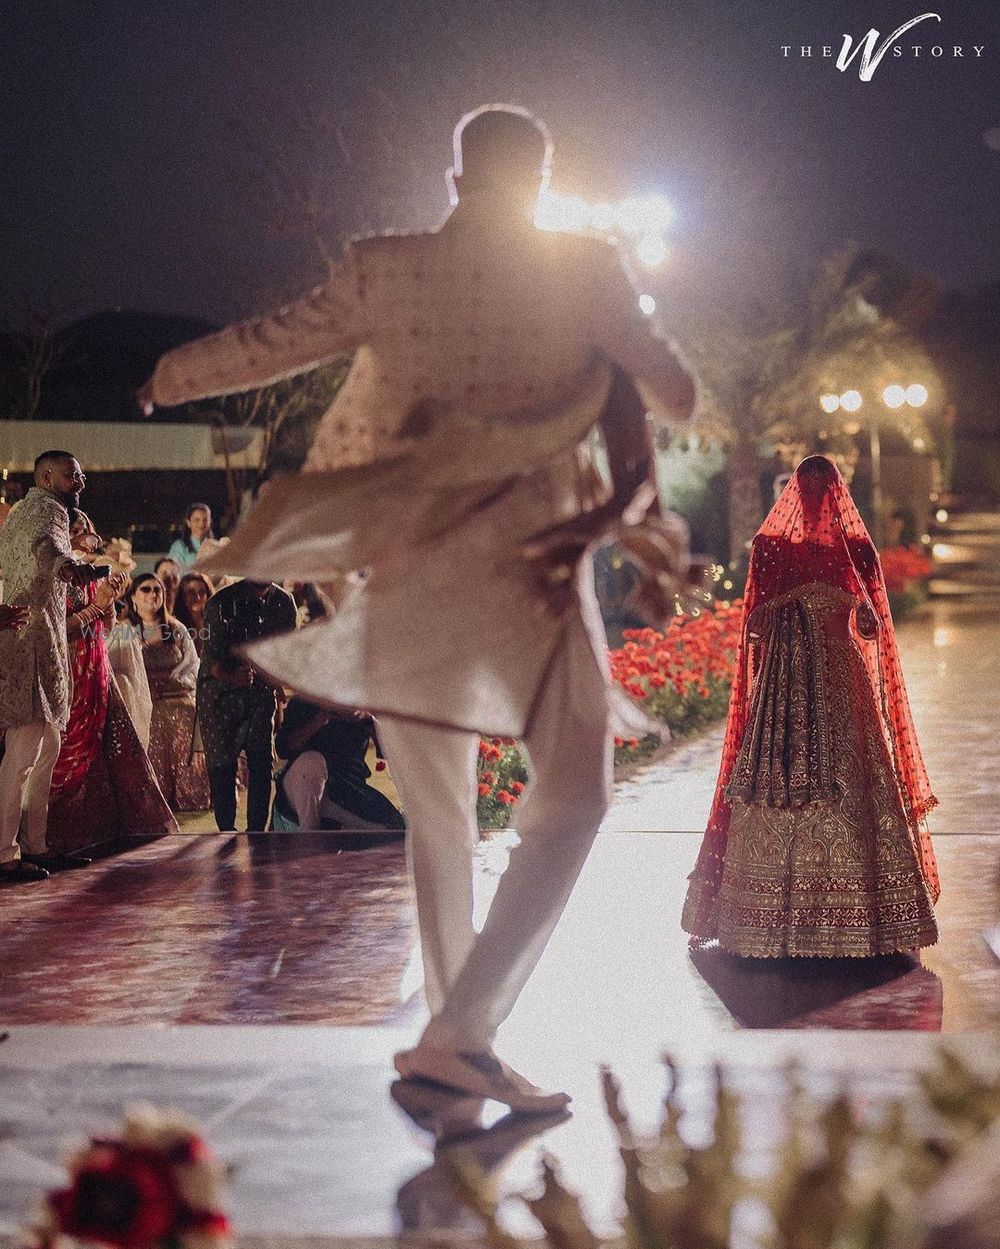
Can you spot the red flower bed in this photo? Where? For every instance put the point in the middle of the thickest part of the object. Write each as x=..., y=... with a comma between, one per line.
x=681, y=676
x=903, y=565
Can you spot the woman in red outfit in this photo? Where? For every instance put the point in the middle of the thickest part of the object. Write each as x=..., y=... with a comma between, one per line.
x=815, y=845
x=103, y=787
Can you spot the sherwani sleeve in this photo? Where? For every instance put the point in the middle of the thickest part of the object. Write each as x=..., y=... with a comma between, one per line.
x=51, y=548
x=633, y=340
x=320, y=327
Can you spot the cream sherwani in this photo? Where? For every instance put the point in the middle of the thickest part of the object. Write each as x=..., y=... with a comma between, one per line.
x=34, y=666
x=480, y=366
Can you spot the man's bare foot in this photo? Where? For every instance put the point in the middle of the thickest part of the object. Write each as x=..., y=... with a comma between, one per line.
x=479, y=1074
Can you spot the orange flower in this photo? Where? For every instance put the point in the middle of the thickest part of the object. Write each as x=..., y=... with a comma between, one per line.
x=483, y=790
x=505, y=797
x=517, y=787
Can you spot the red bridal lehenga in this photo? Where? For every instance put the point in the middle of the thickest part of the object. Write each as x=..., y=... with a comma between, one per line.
x=816, y=844
x=103, y=785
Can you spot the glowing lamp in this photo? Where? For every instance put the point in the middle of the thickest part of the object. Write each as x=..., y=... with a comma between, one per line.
x=916, y=395
x=647, y=304
x=894, y=396
x=851, y=400
x=829, y=403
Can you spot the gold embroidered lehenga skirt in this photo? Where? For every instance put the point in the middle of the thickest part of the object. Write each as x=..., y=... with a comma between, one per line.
x=820, y=860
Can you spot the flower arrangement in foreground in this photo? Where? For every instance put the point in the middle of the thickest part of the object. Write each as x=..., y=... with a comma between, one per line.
x=680, y=676
x=843, y=1173
x=156, y=1186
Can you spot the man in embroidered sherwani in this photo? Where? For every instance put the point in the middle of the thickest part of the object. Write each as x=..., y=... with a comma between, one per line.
x=482, y=357
x=37, y=564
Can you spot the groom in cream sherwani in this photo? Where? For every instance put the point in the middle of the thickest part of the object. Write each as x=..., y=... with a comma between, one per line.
x=482, y=359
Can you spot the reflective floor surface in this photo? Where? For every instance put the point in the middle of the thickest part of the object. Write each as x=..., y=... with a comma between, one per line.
x=102, y=968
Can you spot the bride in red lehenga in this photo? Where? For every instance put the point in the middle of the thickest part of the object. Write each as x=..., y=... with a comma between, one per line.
x=816, y=845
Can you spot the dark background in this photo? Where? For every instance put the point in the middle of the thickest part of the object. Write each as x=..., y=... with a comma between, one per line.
x=132, y=132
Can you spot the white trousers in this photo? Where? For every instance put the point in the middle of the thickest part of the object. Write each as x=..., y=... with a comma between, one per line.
x=30, y=754
x=472, y=982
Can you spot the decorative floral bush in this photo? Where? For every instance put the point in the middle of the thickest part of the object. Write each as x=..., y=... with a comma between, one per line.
x=681, y=677
x=503, y=775
x=905, y=569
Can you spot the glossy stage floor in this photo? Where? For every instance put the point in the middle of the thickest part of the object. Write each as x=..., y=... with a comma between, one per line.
x=263, y=983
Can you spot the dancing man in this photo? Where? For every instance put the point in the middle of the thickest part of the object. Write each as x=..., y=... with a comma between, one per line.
x=451, y=467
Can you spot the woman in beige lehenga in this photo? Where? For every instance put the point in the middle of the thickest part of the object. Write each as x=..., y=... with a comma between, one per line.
x=172, y=669
x=816, y=844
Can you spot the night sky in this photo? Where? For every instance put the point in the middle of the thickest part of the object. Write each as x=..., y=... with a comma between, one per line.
x=129, y=175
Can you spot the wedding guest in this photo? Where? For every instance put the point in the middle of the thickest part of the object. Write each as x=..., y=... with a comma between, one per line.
x=196, y=529
x=103, y=786
x=172, y=668
x=193, y=594
x=38, y=563
x=129, y=670
x=169, y=572
x=816, y=844
x=236, y=704
x=324, y=783
x=124, y=649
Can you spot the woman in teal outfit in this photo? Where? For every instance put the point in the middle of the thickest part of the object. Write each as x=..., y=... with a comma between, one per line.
x=197, y=527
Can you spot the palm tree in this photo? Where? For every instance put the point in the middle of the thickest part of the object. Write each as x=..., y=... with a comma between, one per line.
x=764, y=368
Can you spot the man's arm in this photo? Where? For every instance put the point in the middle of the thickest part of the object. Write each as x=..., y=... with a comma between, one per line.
x=318, y=328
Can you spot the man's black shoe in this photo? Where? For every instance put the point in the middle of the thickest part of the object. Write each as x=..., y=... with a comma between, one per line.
x=53, y=861
x=21, y=873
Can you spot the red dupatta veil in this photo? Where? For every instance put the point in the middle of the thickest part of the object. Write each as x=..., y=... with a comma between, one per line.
x=814, y=532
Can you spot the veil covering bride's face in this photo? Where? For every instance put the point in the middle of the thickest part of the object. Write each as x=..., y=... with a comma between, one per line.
x=814, y=533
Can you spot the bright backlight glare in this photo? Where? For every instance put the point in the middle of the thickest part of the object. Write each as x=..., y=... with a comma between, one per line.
x=916, y=395
x=562, y=212
x=647, y=304
x=640, y=217
x=851, y=400
x=651, y=250
x=829, y=403
x=894, y=396
x=644, y=214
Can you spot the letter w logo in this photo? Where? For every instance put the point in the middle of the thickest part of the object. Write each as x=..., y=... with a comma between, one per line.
x=870, y=56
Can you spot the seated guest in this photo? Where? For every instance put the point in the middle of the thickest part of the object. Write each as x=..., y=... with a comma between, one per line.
x=103, y=786
x=169, y=572
x=196, y=529
x=236, y=704
x=172, y=669
x=324, y=781
x=193, y=593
